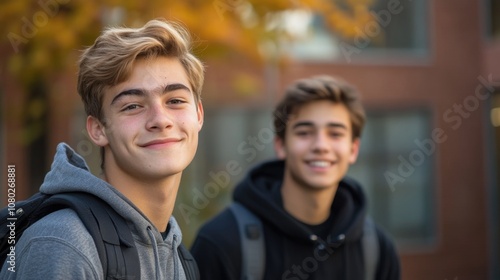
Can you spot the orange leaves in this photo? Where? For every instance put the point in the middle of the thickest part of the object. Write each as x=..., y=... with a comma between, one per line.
x=345, y=20
x=41, y=34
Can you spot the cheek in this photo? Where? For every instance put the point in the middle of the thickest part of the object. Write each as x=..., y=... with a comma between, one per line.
x=299, y=146
x=346, y=149
x=121, y=128
x=189, y=121
x=293, y=150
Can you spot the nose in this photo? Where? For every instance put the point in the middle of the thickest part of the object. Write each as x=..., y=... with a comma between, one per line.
x=159, y=117
x=320, y=143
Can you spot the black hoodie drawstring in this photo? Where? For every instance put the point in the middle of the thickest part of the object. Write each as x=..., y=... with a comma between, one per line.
x=335, y=242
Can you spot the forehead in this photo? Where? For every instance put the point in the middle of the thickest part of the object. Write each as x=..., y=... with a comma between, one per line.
x=152, y=74
x=320, y=113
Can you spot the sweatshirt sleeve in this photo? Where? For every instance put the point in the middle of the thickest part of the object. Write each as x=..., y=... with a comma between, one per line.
x=51, y=258
x=58, y=246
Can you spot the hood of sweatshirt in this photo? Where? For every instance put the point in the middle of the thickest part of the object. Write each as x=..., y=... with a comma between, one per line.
x=69, y=173
x=260, y=192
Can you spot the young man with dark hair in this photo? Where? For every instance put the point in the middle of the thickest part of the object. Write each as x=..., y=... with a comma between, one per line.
x=314, y=222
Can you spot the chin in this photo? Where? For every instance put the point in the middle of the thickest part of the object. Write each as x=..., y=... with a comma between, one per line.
x=323, y=185
x=164, y=172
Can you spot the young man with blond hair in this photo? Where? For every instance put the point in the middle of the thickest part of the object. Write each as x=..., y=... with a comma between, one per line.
x=313, y=218
x=141, y=91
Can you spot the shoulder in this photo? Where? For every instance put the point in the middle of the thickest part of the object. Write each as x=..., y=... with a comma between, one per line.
x=60, y=240
x=221, y=229
x=216, y=248
x=218, y=236
x=385, y=239
x=389, y=263
x=64, y=224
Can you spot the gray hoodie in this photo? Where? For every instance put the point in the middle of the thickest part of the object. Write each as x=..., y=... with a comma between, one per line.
x=59, y=247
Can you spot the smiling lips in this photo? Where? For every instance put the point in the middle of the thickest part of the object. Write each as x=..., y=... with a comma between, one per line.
x=320, y=163
x=160, y=143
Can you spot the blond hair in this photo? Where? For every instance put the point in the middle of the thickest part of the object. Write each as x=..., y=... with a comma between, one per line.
x=110, y=60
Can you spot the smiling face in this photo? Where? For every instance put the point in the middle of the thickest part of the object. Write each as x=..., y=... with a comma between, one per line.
x=151, y=122
x=318, y=146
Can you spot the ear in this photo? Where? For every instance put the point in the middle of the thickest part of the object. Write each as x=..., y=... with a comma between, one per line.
x=96, y=131
x=279, y=147
x=201, y=115
x=354, y=150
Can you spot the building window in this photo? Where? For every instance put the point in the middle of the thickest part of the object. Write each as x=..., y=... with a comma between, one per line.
x=493, y=14
x=389, y=27
x=395, y=166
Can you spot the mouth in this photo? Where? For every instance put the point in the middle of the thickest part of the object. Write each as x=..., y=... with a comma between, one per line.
x=159, y=143
x=319, y=163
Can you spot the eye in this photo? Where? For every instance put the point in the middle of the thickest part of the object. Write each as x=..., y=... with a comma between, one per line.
x=176, y=101
x=130, y=107
x=303, y=132
x=336, y=134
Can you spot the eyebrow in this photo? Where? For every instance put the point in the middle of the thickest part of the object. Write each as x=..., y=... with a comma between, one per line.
x=142, y=92
x=311, y=124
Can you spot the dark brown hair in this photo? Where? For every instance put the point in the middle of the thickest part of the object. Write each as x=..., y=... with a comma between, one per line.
x=319, y=88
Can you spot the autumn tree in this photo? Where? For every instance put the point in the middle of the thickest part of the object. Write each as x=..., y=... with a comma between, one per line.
x=39, y=36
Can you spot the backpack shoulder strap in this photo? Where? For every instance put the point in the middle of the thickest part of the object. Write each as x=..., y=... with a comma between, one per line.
x=111, y=234
x=188, y=263
x=370, y=249
x=17, y=217
x=252, y=242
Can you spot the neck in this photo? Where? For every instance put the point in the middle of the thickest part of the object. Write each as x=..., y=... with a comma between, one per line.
x=155, y=199
x=310, y=206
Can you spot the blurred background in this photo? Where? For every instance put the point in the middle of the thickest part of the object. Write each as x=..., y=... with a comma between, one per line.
x=429, y=72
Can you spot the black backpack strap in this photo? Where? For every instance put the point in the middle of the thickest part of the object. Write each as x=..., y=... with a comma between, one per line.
x=252, y=242
x=188, y=263
x=111, y=234
x=22, y=215
x=370, y=248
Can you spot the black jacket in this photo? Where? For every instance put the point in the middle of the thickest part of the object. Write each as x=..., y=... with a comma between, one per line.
x=292, y=252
